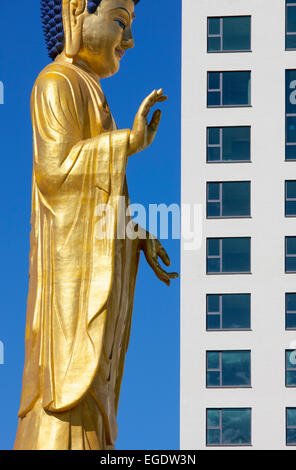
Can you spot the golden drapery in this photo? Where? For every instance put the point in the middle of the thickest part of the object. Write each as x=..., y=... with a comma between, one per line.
x=81, y=285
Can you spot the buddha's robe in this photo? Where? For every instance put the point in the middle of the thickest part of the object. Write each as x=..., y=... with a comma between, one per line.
x=82, y=277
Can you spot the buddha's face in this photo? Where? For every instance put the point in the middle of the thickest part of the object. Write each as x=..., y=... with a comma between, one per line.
x=106, y=35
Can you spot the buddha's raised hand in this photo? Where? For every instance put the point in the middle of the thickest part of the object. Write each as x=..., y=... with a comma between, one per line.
x=143, y=134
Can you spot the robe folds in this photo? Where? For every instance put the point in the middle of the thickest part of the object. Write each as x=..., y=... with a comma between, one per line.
x=82, y=278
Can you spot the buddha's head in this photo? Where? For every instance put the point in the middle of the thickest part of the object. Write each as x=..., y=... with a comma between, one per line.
x=95, y=33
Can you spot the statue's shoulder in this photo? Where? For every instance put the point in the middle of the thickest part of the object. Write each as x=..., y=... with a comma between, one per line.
x=57, y=75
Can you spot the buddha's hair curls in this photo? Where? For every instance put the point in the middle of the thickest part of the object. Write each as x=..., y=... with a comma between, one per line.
x=52, y=20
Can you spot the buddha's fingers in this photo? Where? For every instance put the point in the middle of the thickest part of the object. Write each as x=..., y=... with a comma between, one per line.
x=164, y=256
x=154, y=97
x=154, y=123
x=161, y=273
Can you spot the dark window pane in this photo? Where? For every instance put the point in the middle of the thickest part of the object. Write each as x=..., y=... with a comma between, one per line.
x=236, y=34
x=236, y=88
x=291, y=265
x=291, y=189
x=213, y=246
x=213, y=436
x=214, y=80
x=291, y=246
x=213, y=265
x=236, y=368
x=213, y=418
x=235, y=255
x=214, y=44
x=236, y=143
x=291, y=321
x=213, y=360
x=214, y=98
x=291, y=129
x=291, y=41
x=236, y=311
x=213, y=379
x=236, y=426
x=290, y=152
x=213, y=209
x=214, y=136
x=236, y=199
x=291, y=378
x=214, y=303
x=291, y=302
x=214, y=25
x=291, y=208
x=291, y=436
x=213, y=322
x=214, y=154
x=291, y=19
x=213, y=191
x=291, y=417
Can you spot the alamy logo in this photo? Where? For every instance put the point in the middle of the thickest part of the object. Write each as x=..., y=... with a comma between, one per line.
x=1, y=93
x=185, y=225
x=1, y=353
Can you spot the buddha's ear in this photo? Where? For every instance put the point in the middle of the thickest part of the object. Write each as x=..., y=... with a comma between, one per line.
x=73, y=14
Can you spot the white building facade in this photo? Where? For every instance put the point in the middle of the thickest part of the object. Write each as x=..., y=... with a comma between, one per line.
x=238, y=290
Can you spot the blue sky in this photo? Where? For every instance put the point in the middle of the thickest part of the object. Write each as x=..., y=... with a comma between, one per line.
x=149, y=406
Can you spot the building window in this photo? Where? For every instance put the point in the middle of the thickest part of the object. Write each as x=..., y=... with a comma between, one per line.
x=228, y=312
x=290, y=368
x=290, y=24
x=228, y=369
x=228, y=199
x=290, y=114
x=291, y=311
x=290, y=254
x=228, y=426
x=291, y=426
x=229, y=144
x=290, y=198
x=229, y=34
x=229, y=89
x=228, y=255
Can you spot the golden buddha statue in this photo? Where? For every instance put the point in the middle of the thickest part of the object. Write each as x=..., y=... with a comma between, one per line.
x=81, y=285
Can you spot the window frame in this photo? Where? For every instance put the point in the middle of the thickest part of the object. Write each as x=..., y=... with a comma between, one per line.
x=220, y=370
x=220, y=257
x=220, y=145
x=221, y=427
x=287, y=115
x=220, y=313
x=289, y=256
x=289, y=427
x=221, y=200
x=221, y=34
x=221, y=72
x=289, y=368
x=287, y=4
x=286, y=198
x=288, y=312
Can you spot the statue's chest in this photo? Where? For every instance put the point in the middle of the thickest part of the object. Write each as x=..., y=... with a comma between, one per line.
x=97, y=115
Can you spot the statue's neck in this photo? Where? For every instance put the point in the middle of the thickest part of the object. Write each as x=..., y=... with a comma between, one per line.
x=78, y=62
